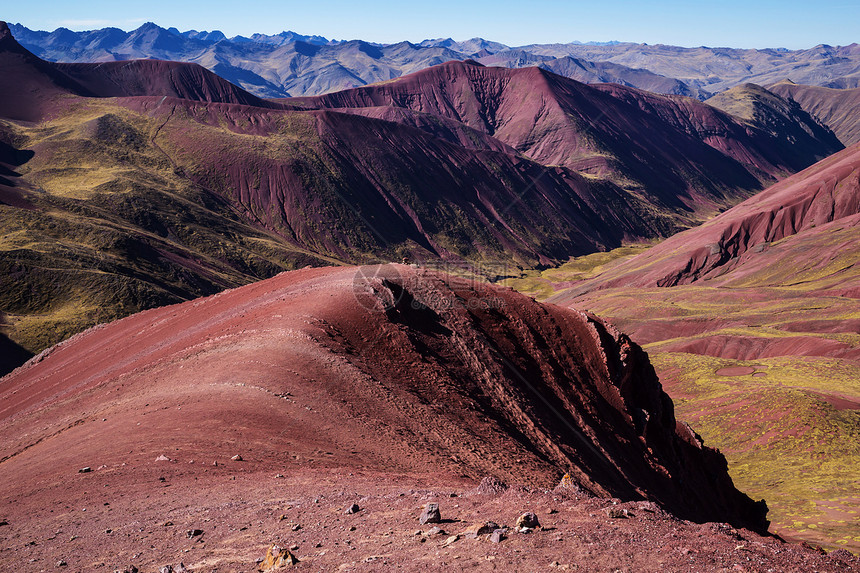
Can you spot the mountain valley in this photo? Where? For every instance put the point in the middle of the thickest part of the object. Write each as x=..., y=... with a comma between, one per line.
x=284, y=290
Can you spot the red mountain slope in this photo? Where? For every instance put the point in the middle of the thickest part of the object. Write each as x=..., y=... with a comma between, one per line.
x=835, y=108
x=813, y=205
x=29, y=83
x=684, y=153
x=157, y=77
x=378, y=369
x=390, y=188
x=751, y=321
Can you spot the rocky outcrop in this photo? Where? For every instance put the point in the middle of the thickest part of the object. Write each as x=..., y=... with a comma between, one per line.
x=387, y=369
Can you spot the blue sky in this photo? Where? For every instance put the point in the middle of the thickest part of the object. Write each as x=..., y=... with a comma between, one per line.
x=735, y=23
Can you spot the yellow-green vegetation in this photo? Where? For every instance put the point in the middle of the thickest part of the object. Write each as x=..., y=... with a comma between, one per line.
x=788, y=425
x=114, y=228
x=542, y=284
x=784, y=441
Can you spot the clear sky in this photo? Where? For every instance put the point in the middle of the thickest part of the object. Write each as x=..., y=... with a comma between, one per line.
x=735, y=23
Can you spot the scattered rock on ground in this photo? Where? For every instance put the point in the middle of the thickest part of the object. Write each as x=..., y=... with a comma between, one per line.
x=276, y=558
x=435, y=531
x=193, y=533
x=236, y=458
x=430, y=514
x=497, y=536
x=478, y=529
x=528, y=519
x=841, y=554
x=85, y=470
x=162, y=458
x=352, y=509
x=617, y=512
x=450, y=540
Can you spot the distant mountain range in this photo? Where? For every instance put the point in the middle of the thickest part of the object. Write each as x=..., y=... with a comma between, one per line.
x=291, y=64
x=175, y=183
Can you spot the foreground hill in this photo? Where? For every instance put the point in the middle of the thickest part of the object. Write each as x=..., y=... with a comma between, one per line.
x=392, y=374
x=835, y=108
x=751, y=322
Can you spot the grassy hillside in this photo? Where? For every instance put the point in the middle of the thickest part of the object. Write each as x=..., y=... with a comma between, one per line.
x=110, y=228
x=766, y=367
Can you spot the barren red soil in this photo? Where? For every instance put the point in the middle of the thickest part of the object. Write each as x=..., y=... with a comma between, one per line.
x=388, y=387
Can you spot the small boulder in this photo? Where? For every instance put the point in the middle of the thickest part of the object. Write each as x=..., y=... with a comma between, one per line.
x=191, y=533
x=497, y=536
x=166, y=569
x=528, y=519
x=352, y=509
x=236, y=458
x=430, y=514
x=162, y=458
x=476, y=530
x=617, y=512
x=85, y=470
x=180, y=568
x=436, y=531
x=276, y=558
x=450, y=540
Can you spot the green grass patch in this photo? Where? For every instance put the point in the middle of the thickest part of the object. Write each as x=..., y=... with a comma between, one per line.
x=783, y=440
